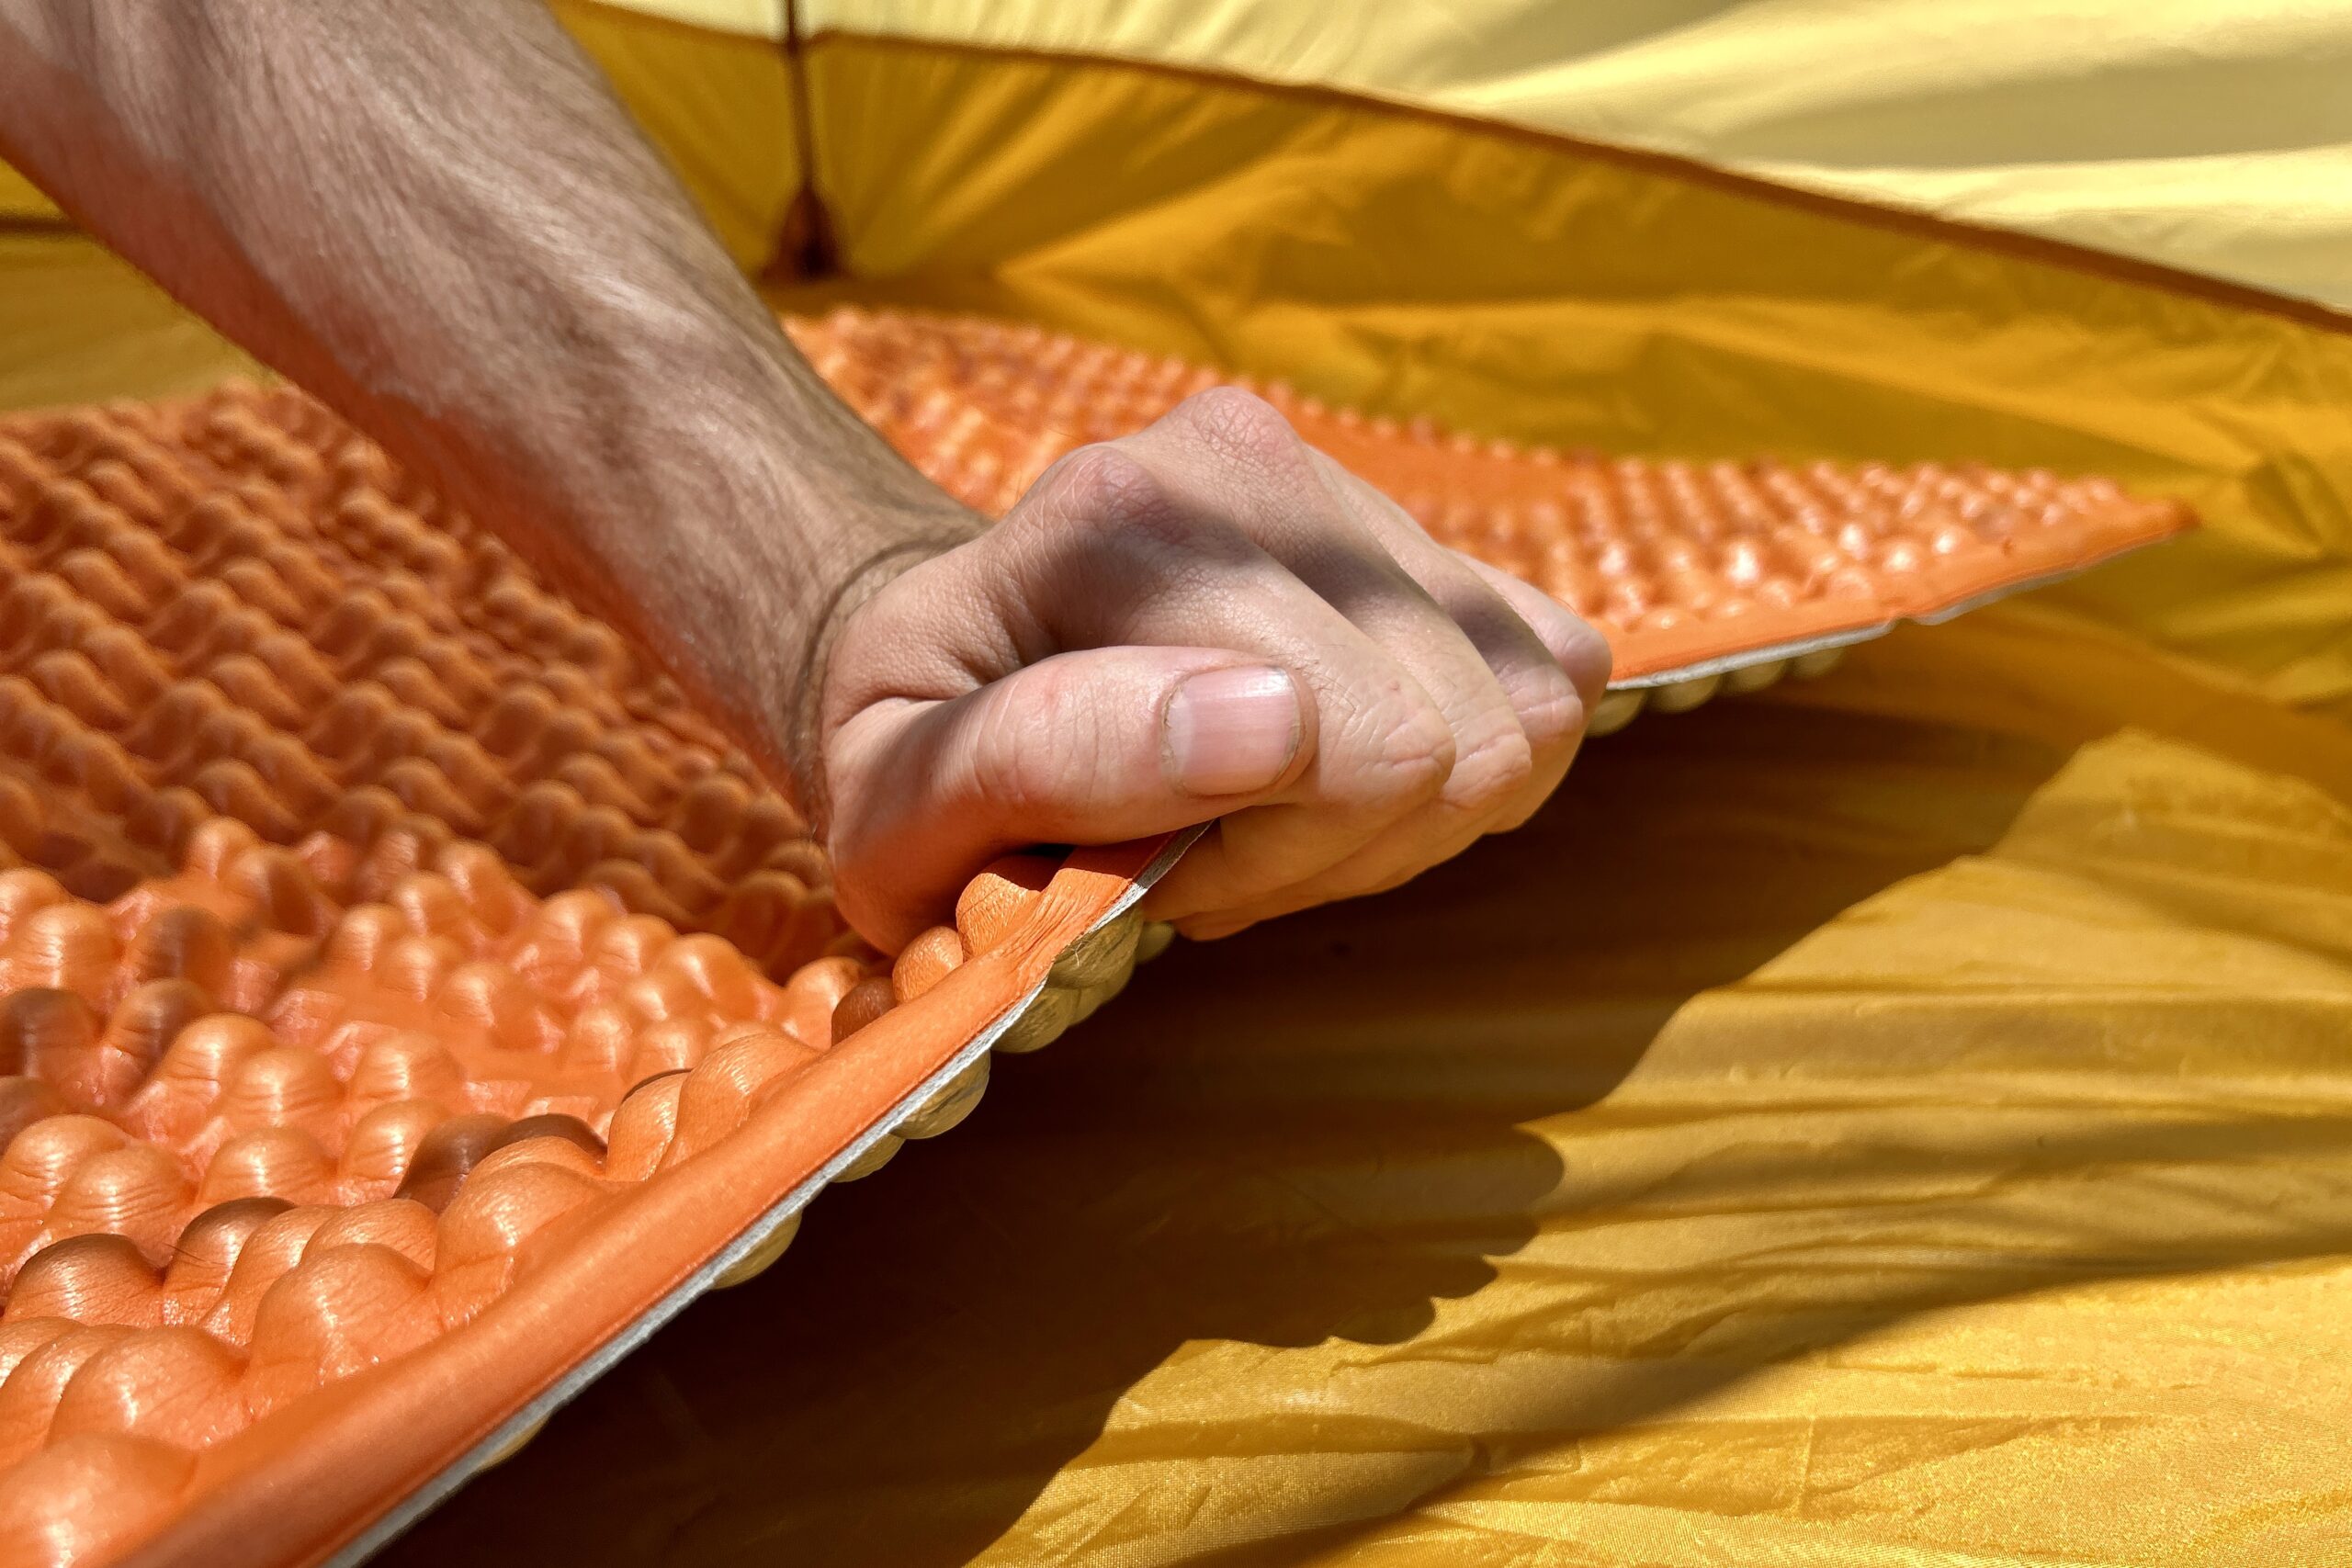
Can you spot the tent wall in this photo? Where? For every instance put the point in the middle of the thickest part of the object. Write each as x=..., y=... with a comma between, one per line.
x=2213, y=135
x=1544, y=290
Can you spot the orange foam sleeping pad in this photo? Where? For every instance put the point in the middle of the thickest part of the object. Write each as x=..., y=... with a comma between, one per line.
x=1683, y=566
x=400, y=993
x=405, y=996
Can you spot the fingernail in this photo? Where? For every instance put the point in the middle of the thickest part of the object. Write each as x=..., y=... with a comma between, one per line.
x=1232, y=731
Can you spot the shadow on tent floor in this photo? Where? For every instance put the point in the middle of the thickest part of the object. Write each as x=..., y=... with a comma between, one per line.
x=1314, y=1131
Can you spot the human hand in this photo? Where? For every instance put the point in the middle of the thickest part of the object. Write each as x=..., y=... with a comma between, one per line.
x=1207, y=619
x=1204, y=621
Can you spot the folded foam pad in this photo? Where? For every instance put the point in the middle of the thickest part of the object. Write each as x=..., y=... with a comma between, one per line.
x=1689, y=569
x=407, y=1003
x=402, y=997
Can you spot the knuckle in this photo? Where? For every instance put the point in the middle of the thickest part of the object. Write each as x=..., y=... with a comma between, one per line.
x=1104, y=528
x=1102, y=484
x=1413, y=759
x=1550, y=710
x=1244, y=425
x=1586, y=664
x=1492, y=773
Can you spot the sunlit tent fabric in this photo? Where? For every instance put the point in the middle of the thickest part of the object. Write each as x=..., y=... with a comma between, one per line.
x=1898, y=1118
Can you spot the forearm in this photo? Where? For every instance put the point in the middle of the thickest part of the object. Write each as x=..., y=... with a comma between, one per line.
x=433, y=214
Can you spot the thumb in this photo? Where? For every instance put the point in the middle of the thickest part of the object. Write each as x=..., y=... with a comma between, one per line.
x=1087, y=748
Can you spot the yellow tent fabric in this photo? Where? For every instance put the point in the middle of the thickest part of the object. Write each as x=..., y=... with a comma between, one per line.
x=81, y=326
x=19, y=200
x=1898, y=1120
x=2207, y=135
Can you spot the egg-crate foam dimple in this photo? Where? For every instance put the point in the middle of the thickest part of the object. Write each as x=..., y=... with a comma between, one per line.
x=397, y=984
x=1693, y=571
